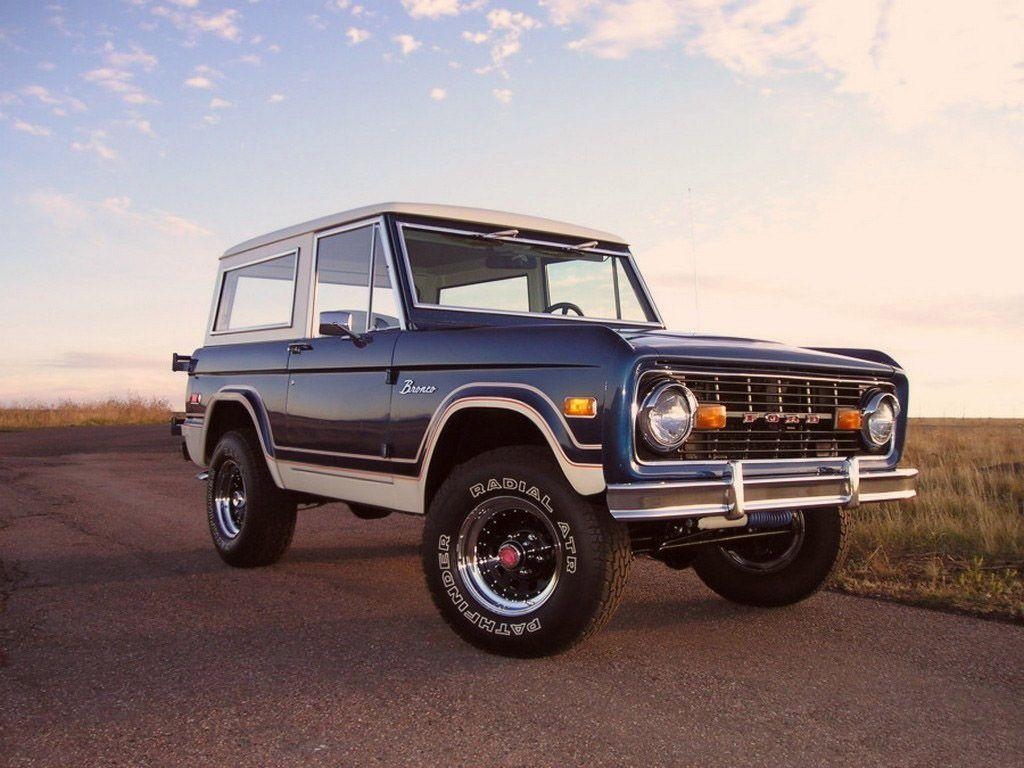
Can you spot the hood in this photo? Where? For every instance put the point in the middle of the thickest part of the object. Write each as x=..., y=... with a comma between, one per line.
x=701, y=350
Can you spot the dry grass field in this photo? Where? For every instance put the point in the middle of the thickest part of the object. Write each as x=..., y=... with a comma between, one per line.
x=131, y=409
x=959, y=545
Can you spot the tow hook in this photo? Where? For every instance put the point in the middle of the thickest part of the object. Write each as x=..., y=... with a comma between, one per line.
x=204, y=476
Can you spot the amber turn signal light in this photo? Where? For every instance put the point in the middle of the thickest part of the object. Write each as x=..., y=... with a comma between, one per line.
x=710, y=417
x=849, y=419
x=581, y=407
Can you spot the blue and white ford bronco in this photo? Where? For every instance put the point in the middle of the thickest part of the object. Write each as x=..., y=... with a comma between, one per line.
x=510, y=379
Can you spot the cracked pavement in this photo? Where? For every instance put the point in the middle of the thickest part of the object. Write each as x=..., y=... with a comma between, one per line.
x=125, y=641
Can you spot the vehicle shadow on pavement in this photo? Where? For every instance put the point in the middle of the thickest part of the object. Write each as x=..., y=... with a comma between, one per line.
x=345, y=553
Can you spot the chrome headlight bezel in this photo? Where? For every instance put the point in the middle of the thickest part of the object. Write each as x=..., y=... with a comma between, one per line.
x=879, y=404
x=649, y=433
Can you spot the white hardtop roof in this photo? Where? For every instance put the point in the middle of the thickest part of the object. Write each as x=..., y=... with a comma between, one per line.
x=499, y=219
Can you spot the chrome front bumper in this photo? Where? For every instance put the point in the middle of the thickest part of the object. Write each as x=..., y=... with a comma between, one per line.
x=732, y=496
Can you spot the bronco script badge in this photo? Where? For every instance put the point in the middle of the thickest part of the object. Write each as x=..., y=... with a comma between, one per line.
x=410, y=387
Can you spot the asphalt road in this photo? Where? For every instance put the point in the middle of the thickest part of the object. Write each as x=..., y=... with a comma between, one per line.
x=125, y=640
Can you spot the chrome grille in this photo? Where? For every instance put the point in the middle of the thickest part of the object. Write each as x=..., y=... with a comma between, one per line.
x=768, y=416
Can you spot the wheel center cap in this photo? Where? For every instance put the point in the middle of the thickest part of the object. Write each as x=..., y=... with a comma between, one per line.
x=509, y=555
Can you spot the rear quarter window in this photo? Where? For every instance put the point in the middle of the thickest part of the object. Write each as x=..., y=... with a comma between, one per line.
x=257, y=295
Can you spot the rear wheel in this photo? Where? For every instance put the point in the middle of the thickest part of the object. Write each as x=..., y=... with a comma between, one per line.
x=251, y=520
x=779, y=569
x=516, y=561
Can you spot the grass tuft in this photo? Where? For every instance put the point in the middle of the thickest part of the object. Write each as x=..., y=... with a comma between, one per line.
x=960, y=544
x=131, y=409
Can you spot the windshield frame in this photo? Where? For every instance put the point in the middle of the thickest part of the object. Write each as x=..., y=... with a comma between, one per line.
x=628, y=262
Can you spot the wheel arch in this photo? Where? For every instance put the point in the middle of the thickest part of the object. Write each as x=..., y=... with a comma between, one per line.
x=238, y=408
x=473, y=425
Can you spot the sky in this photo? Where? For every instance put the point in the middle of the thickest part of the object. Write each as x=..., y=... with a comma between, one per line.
x=817, y=172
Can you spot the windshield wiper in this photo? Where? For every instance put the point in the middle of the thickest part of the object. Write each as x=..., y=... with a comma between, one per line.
x=501, y=234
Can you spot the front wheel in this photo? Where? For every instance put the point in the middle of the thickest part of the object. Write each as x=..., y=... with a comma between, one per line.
x=780, y=569
x=516, y=561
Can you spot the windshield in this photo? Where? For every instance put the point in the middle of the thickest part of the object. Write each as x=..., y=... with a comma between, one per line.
x=469, y=271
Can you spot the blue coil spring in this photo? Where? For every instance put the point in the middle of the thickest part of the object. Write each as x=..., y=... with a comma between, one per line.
x=769, y=519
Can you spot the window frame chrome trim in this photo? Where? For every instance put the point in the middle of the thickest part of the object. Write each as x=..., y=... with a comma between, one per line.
x=627, y=255
x=212, y=330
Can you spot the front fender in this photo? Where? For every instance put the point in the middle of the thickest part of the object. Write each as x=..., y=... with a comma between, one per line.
x=579, y=462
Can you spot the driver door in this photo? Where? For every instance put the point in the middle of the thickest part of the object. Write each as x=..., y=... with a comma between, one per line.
x=339, y=399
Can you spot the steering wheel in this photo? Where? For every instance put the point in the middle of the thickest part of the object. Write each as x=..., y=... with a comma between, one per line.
x=565, y=306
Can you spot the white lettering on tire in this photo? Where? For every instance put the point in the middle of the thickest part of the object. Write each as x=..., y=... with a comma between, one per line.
x=444, y=558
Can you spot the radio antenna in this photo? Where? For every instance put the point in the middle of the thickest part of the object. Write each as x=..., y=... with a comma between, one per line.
x=693, y=252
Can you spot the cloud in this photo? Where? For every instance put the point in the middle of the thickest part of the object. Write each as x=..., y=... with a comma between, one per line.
x=432, y=9
x=31, y=128
x=118, y=76
x=60, y=104
x=337, y=5
x=61, y=209
x=136, y=57
x=407, y=43
x=910, y=61
x=275, y=98
x=168, y=223
x=504, y=95
x=356, y=36
x=99, y=360
x=219, y=103
x=507, y=28
x=251, y=58
x=97, y=145
x=142, y=126
x=438, y=94
x=223, y=24
x=316, y=21
x=622, y=28
x=202, y=77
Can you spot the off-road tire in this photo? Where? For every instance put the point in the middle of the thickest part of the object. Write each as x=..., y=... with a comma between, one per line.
x=269, y=521
x=823, y=551
x=595, y=553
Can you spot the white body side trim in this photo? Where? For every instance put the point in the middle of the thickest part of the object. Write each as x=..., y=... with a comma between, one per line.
x=382, y=489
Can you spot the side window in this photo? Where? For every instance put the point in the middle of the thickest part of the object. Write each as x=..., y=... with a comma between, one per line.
x=343, y=275
x=385, y=304
x=343, y=279
x=259, y=295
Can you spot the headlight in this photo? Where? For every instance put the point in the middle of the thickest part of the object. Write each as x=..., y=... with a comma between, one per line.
x=880, y=416
x=666, y=416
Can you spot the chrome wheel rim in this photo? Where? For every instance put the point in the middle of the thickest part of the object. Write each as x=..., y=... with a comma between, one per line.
x=229, y=499
x=773, y=553
x=509, y=555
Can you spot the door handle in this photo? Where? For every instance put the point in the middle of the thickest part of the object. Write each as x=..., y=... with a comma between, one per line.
x=299, y=347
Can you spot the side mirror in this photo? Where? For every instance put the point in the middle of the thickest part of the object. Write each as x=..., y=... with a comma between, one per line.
x=340, y=324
